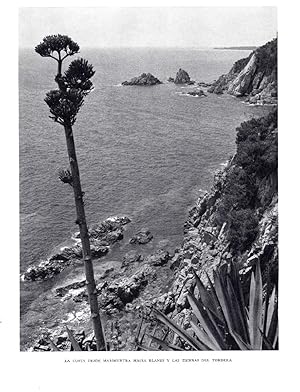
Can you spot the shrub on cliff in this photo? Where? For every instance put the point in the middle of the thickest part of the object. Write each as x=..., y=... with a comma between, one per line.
x=243, y=228
x=255, y=159
x=256, y=143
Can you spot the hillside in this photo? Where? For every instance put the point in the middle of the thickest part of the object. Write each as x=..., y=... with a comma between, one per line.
x=253, y=77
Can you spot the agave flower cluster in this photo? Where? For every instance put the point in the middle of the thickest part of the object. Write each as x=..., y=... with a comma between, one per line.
x=74, y=85
x=57, y=43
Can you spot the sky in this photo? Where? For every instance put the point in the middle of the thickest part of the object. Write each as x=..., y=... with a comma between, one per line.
x=150, y=26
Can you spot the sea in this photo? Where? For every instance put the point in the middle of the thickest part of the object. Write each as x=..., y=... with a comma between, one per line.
x=143, y=152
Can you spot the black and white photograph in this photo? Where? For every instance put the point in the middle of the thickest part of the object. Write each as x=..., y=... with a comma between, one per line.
x=148, y=179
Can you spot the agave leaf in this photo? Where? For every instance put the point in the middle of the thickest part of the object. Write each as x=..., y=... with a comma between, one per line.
x=237, y=288
x=73, y=341
x=139, y=330
x=255, y=309
x=270, y=311
x=215, y=299
x=164, y=345
x=179, y=331
x=238, y=314
x=52, y=345
x=273, y=329
x=221, y=294
x=203, y=337
x=242, y=345
x=206, y=322
x=204, y=294
x=267, y=344
x=276, y=339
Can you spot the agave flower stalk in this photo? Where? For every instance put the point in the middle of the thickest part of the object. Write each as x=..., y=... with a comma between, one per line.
x=64, y=104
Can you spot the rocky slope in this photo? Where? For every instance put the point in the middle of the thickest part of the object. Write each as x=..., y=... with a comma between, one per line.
x=236, y=220
x=254, y=77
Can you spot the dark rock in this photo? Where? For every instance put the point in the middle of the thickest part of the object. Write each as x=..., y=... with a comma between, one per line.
x=131, y=257
x=175, y=262
x=197, y=93
x=182, y=77
x=203, y=84
x=106, y=273
x=83, y=296
x=171, y=80
x=142, y=237
x=99, y=250
x=143, y=80
x=216, y=89
x=45, y=270
x=159, y=258
x=117, y=294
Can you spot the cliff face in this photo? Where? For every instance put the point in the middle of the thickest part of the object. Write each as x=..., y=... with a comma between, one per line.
x=254, y=77
x=236, y=220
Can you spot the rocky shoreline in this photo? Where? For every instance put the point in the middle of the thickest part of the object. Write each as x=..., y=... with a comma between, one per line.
x=162, y=280
x=128, y=291
x=102, y=236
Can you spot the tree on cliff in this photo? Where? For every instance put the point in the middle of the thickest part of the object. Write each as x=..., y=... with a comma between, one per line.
x=64, y=103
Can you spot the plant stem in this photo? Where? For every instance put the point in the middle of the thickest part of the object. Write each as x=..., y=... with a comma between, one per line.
x=84, y=236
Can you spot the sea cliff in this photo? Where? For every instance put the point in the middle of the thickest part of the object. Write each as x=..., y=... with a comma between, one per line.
x=253, y=77
x=237, y=220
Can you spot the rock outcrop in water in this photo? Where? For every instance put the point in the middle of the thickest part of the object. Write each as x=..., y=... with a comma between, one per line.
x=197, y=93
x=102, y=236
x=143, y=80
x=182, y=77
x=142, y=237
x=254, y=77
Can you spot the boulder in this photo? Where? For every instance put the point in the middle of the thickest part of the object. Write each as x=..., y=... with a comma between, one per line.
x=197, y=93
x=142, y=237
x=159, y=258
x=142, y=80
x=131, y=257
x=171, y=80
x=119, y=293
x=182, y=77
x=45, y=270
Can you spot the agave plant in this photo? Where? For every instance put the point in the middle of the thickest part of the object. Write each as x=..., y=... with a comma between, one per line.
x=221, y=318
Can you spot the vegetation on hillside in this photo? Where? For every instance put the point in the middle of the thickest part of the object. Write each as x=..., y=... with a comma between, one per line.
x=255, y=160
